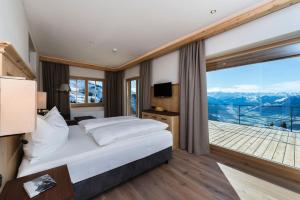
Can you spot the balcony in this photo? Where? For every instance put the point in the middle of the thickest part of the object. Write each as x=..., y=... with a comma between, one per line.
x=259, y=136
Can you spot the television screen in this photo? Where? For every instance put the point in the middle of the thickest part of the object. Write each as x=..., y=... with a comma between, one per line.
x=163, y=90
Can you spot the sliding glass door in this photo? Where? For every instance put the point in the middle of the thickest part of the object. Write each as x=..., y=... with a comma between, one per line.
x=255, y=110
x=132, y=96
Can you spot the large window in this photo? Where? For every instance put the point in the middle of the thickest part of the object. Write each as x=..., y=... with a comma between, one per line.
x=132, y=96
x=255, y=109
x=86, y=91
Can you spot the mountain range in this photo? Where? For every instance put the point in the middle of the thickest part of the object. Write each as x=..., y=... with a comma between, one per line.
x=274, y=110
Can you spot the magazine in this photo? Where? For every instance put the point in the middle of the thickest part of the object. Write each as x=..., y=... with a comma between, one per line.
x=39, y=185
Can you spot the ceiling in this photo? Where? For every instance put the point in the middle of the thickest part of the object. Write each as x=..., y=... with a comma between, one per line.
x=87, y=31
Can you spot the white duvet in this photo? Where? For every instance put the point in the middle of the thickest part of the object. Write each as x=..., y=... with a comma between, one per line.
x=108, y=134
x=90, y=124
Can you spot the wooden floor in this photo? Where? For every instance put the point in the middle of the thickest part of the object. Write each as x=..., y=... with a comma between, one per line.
x=197, y=178
x=278, y=146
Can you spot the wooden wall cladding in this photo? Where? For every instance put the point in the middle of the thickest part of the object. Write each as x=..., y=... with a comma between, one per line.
x=11, y=64
x=170, y=104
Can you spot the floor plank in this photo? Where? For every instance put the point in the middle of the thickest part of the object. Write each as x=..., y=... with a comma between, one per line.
x=275, y=145
x=289, y=156
x=197, y=178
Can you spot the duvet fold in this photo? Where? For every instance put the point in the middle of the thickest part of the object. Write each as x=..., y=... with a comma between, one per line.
x=90, y=124
x=106, y=135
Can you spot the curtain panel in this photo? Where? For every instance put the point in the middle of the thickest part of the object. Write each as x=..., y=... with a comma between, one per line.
x=53, y=75
x=145, y=86
x=113, y=99
x=193, y=99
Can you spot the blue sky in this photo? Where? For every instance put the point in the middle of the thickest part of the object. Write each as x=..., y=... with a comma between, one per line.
x=274, y=76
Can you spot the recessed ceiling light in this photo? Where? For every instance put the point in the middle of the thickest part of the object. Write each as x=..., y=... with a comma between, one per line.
x=213, y=12
x=114, y=50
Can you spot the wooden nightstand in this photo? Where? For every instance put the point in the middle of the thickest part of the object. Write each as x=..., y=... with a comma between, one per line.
x=14, y=190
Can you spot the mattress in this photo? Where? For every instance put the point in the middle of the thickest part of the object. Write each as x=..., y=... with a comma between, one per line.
x=86, y=159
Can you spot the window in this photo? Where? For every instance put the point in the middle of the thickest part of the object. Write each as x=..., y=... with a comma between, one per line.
x=132, y=96
x=86, y=91
x=254, y=108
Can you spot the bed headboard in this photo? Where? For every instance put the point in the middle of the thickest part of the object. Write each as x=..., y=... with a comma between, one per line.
x=11, y=64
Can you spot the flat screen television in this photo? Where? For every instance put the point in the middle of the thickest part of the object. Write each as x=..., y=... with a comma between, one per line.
x=163, y=90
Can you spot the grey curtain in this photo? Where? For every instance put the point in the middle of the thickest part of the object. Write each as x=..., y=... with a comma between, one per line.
x=55, y=74
x=113, y=99
x=193, y=99
x=145, y=86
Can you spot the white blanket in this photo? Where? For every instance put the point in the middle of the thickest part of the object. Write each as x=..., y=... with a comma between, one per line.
x=90, y=124
x=86, y=159
x=108, y=134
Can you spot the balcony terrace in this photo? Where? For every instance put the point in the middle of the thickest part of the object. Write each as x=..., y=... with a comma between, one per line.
x=278, y=146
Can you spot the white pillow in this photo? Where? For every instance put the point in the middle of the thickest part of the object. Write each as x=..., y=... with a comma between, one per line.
x=41, y=142
x=54, y=118
x=50, y=134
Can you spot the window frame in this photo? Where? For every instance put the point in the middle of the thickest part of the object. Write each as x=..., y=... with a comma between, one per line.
x=86, y=104
x=269, y=51
x=128, y=102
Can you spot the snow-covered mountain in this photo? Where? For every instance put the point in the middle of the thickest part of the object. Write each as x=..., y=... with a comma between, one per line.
x=259, y=109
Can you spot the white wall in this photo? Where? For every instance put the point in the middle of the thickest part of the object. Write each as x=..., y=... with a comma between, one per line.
x=34, y=61
x=166, y=68
x=14, y=26
x=91, y=73
x=85, y=111
x=132, y=72
x=97, y=112
x=277, y=25
x=272, y=26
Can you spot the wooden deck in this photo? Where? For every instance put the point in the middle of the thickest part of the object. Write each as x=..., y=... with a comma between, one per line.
x=274, y=145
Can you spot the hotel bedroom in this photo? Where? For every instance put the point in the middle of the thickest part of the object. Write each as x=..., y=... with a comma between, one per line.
x=149, y=99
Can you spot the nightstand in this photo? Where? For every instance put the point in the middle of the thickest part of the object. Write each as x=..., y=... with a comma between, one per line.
x=71, y=122
x=14, y=190
x=78, y=119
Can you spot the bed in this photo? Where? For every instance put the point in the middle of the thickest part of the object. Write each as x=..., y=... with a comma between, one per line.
x=95, y=169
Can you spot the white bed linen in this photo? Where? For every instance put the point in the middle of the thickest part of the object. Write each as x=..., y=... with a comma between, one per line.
x=106, y=135
x=90, y=124
x=86, y=159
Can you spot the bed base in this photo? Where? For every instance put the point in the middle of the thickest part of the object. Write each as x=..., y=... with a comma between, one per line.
x=93, y=186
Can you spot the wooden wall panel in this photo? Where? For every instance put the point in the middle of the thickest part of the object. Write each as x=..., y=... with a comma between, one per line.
x=170, y=104
x=10, y=69
x=10, y=146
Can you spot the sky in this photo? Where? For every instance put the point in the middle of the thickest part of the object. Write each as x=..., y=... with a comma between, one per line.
x=273, y=76
x=133, y=86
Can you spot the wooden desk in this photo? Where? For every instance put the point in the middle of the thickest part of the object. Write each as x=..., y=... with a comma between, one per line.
x=14, y=190
x=170, y=118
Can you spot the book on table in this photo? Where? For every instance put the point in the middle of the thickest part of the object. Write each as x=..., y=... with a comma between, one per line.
x=39, y=185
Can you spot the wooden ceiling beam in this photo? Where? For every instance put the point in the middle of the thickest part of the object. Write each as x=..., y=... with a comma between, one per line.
x=76, y=63
x=219, y=27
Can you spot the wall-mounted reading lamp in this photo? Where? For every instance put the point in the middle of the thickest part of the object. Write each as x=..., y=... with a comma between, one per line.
x=64, y=88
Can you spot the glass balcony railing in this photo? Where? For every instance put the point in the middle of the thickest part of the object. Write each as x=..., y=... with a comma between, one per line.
x=268, y=116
